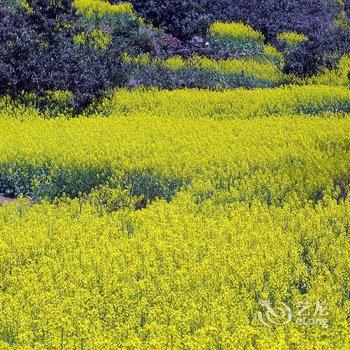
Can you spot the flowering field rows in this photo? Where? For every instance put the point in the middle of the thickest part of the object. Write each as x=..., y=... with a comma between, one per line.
x=237, y=207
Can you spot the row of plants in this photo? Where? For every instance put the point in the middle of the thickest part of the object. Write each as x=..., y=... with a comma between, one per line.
x=239, y=103
x=311, y=99
x=199, y=72
x=267, y=159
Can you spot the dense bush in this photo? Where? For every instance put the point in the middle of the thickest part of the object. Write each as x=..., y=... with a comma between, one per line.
x=40, y=54
x=310, y=56
x=185, y=18
x=76, y=47
x=182, y=18
x=347, y=7
x=10, y=2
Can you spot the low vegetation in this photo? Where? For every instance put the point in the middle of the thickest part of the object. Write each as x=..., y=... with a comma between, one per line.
x=174, y=180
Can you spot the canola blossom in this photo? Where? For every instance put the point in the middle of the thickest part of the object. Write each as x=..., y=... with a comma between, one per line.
x=235, y=30
x=164, y=218
x=231, y=104
x=239, y=103
x=171, y=276
x=262, y=70
x=291, y=39
x=236, y=39
x=101, y=8
x=337, y=76
x=213, y=218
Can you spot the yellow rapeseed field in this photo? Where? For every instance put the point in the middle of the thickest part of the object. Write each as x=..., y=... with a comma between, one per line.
x=180, y=219
x=238, y=103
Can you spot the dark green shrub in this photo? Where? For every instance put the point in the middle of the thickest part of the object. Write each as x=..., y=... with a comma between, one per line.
x=308, y=57
x=39, y=54
x=347, y=7
x=39, y=182
x=185, y=18
x=182, y=18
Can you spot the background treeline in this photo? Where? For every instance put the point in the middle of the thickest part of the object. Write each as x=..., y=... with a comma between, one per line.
x=41, y=52
x=87, y=47
x=325, y=22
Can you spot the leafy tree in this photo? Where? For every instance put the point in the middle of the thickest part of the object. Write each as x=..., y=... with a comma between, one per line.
x=185, y=18
x=310, y=56
x=38, y=54
x=347, y=7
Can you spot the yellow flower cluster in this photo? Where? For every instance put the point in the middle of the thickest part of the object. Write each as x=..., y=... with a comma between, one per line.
x=101, y=7
x=271, y=159
x=235, y=30
x=238, y=103
x=337, y=76
x=236, y=39
x=96, y=38
x=271, y=53
x=250, y=67
x=291, y=39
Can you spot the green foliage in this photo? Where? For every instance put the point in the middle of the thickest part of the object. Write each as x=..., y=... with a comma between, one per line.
x=11, y=3
x=107, y=200
x=201, y=72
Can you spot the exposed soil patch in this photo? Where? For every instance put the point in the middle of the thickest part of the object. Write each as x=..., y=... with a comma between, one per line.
x=4, y=200
x=7, y=200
